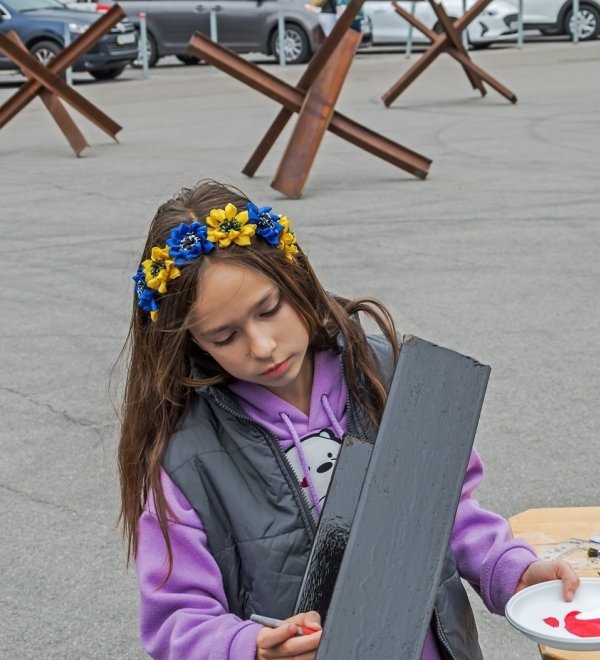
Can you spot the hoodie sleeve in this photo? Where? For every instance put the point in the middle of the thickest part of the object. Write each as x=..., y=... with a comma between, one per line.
x=487, y=555
x=186, y=616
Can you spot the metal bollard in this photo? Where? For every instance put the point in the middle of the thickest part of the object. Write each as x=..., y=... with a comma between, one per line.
x=520, y=25
x=575, y=21
x=214, y=35
x=69, y=71
x=465, y=35
x=143, y=45
x=281, y=37
x=409, y=39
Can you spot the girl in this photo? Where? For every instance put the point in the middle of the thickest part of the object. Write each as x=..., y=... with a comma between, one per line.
x=244, y=374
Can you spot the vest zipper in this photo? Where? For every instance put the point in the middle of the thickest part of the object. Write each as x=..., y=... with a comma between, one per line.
x=441, y=636
x=354, y=425
x=273, y=441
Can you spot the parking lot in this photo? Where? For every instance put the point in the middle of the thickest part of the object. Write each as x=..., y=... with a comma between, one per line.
x=494, y=255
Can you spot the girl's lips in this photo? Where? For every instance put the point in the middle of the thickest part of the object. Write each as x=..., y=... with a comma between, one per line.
x=277, y=369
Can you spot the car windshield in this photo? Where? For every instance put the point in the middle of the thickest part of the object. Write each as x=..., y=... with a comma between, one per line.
x=32, y=5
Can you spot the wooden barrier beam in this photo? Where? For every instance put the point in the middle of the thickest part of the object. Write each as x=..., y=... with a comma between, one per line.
x=334, y=527
x=385, y=589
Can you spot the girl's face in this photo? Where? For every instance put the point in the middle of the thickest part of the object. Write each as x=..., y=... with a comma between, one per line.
x=242, y=320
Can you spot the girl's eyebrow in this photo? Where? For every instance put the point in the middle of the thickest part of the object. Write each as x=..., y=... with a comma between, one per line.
x=257, y=305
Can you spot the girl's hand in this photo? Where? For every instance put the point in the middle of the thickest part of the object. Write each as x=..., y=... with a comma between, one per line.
x=557, y=569
x=282, y=642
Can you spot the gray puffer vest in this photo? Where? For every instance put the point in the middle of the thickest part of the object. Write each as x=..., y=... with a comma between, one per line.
x=257, y=520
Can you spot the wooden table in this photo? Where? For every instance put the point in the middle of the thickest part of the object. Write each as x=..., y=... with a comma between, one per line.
x=545, y=526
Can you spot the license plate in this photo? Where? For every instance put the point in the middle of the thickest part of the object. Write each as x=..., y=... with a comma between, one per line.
x=123, y=39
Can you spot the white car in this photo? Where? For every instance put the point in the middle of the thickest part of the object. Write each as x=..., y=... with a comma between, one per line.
x=497, y=22
x=556, y=17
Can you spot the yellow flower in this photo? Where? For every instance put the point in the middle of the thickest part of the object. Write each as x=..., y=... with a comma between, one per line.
x=227, y=226
x=287, y=239
x=159, y=269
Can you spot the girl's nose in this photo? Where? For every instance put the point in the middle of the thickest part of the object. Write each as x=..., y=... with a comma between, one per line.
x=261, y=346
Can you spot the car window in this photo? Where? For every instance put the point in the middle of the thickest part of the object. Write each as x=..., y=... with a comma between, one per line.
x=32, y=5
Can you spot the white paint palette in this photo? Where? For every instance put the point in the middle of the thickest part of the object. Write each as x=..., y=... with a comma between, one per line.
x=541, y=613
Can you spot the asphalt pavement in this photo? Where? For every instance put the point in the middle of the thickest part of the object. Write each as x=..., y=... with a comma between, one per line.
x=494, y=255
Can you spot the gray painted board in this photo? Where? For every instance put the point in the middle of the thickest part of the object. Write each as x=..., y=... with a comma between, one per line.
x=334, y=526
x=383, y=597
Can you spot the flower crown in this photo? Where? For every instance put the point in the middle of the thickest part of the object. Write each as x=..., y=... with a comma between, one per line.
x=190, y=240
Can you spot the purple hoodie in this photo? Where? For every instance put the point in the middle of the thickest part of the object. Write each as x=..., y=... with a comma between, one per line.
x=186, y=616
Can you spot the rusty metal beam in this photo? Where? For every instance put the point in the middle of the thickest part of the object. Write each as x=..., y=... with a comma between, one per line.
x=468, y=63
x=415, y=22
x=457, y=43
x=57, y=110
x=314, y=118
x=36, y=70
x=64, y=122
x=292, y=99
x=315, y=66
x=448, y=41
x=62, y=61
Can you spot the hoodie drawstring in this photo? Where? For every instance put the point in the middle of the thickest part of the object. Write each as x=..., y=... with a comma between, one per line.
x=339, y=431
x=311, y=486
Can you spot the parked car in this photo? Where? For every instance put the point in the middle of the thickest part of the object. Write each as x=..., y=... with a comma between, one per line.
x=498, y=21
x=41, y=25
x=244, y=26
x=556, y=17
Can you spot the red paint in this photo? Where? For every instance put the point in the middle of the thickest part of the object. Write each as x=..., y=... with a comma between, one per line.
x=551, y=621
x=304, y=483
x=582, y=627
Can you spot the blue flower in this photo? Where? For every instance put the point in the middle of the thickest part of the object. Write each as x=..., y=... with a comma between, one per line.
x=146, y=296
x=268, y=226
x=188, y=242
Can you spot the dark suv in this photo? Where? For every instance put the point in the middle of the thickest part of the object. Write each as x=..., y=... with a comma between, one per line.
x=244, y=26
x=41, y=25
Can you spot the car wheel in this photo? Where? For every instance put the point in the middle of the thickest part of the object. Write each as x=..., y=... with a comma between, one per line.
x=188, y=59
x=45, y=51
x=108, y=74
x=589, y=23
x=296, y=46
x=151, y=50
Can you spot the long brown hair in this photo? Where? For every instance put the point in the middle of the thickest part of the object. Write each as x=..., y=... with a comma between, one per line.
x=160, y=355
